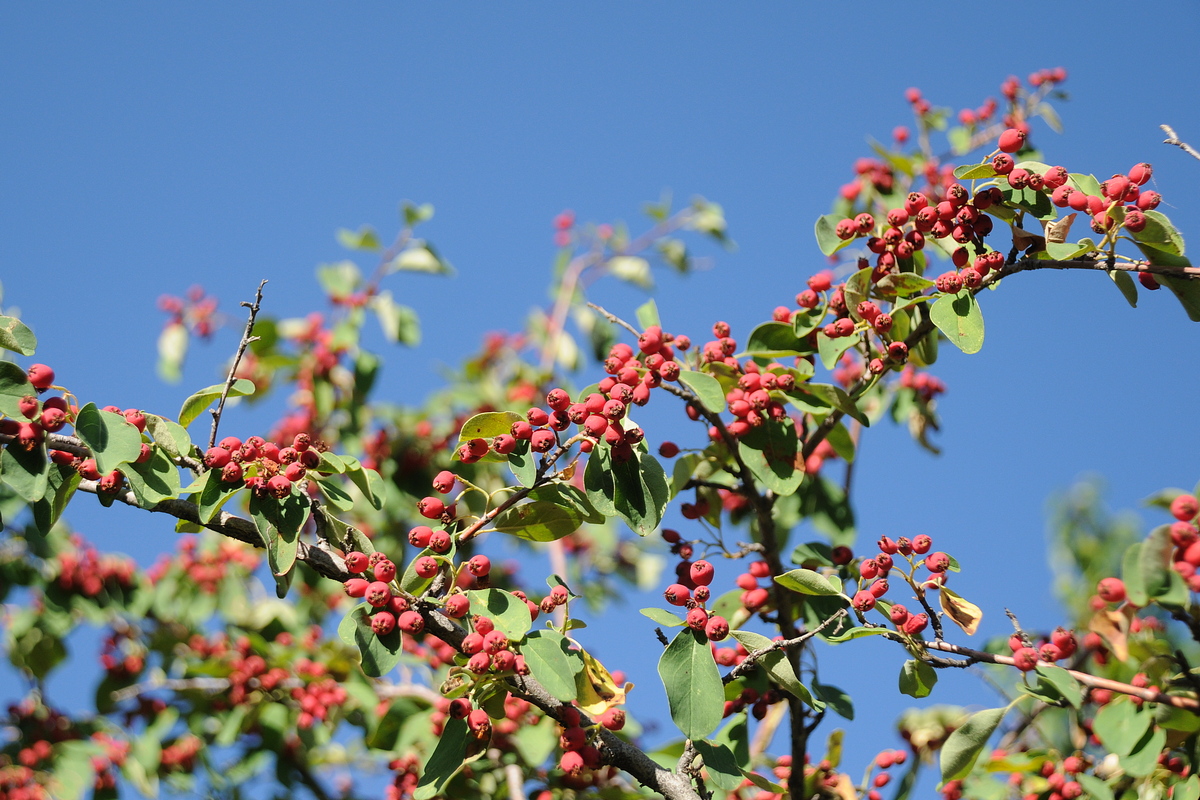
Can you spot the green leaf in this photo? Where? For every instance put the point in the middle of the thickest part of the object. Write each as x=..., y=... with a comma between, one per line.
x=546, y=653
x=16, y=336
x=706, y=388
x=1061, y=683
x=805, y=321
x=835, y=698
x=1187, y=291
x=364, y=238
x=641, y=492
x=14, y=385
x=522, y=464
x=917, y=678
x=903, y=284
x=1120, y=726
x=774, y=340
x=963, y=746
x=63, y=481
x=368, y=481
x=1131, y=576
x=285, y=518
x=647, y=314
x=535, y=743
x=835, y=396
x=538, y=521
x=380, y=654
x=154, y=480
x=856, y=289
x=1160, y=234
x=778, y=668
x=830, y=350
x=770, y=451
x=26, y=472
x=1096, y=789
x=399, y=322
x=1184, y=790
x=840, y=440
x=168, y=435
x=632, y=269
x=506, y=610
x=599, y=483
x=826, y=232
x=1144, y=759
x=112, y=440
x=958, y=316
x=487, y=426
x=1036, y=203
x=663, y=617
x=722, y=766
x=195, y=405
x=1126, y=285
x=975, y=172
x=694, y=690
x=1155, y=563
x=806, y=581
x=420, y=256
x=447, y=758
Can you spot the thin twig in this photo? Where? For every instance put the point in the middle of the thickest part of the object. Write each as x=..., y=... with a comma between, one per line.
x=173, y=685
x=1149, y=695
x=614, y=319
x=247, y=338
x=751, y=659
x=1173, y=139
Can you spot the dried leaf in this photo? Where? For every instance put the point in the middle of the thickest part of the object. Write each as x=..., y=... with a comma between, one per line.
x=1024, y=240
x=966, y=615
x=597, y=690
x=1112, y=627
x=1057, y=230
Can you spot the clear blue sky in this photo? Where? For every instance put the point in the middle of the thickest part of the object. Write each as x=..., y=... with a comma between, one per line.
x=145, y=147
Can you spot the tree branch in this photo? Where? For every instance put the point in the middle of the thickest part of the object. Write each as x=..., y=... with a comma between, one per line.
x=247, y=338
x=1173, y=139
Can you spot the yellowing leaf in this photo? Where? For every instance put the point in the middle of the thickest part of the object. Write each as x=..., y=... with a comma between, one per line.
x=966, y=615
x=1112, y=627
x=597, y=690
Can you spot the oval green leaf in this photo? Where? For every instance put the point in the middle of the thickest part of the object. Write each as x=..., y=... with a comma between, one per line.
x=546, y=655
x=693, y=684
x=806, y=581
x=195, y=405
x=964, y=745
x=112, y=440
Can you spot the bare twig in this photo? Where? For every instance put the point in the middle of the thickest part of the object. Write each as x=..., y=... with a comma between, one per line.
x=247, y=338
x=1149, y=695
x=173, y=685
x=1173, y=139
x=753, y=658
x=614, y=319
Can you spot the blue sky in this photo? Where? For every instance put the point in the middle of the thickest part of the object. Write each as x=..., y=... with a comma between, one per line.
x=146, y=147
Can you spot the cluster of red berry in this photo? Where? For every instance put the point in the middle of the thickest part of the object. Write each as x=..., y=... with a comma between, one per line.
x=275, y=468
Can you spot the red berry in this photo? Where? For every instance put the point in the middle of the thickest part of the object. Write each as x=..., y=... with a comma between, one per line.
x=356, y=562
x=1184, y=508
x=444, y=481
x=378, y=594
x=1012, y=140
x=677, y=594
x=425, y=566
x=419, y=536
x=479, y=566
x=431, y=507
x=697, y=618
x=457, y=606
x=357, y=587
x=41, y=376
x=701, y=573
x=385, y=571
x=411, y=623
x=542, y=441
x=1025, y=659
x=1111, y=590
x=383, y=623
x=717, y=628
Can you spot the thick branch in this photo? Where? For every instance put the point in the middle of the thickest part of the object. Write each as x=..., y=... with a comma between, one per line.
x=617, y=752
x=318, y=556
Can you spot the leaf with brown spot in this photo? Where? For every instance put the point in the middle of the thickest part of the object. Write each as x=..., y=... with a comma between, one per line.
x=965, y=614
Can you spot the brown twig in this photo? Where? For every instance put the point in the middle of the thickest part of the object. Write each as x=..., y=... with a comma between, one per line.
x=319, y=556
x=752, y=659
x=247, y=338
x=1149, y=695
x=1173, y=139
